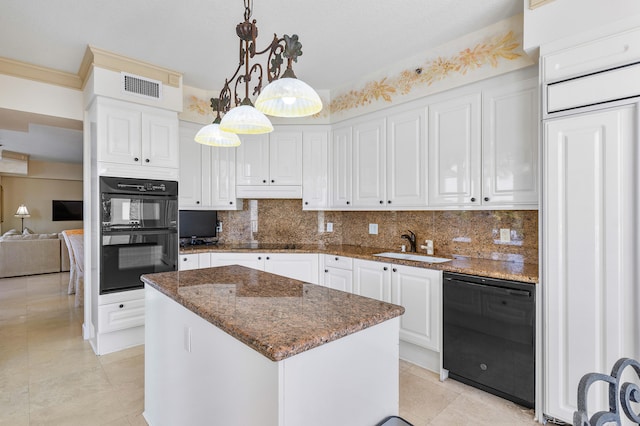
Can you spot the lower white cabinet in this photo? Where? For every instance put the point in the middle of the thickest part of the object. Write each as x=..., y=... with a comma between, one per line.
x=372, y=279
x=337, y=272
x=419, y=290
x=194, y=261
x=298, y=266
x=121, y=315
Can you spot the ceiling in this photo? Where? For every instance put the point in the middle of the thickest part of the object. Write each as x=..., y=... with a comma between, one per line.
x=343, y=40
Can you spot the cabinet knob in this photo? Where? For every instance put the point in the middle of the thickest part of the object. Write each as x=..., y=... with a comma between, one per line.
x=136, y=159
x=121, y=306
x=336, y=258
x=385, y=268
x=381, y=202
x=197, y=202
x=473, y=199
x=394, y=270
x=273, y=181
x=264, y=181
x=146, y=160
x=230, y=202
x=348, y=202
x=259, y=258
x=267, y=257
x=326, y=271
x=486, y=198
x=184, y=260
x=306, y=203
x=389, y=202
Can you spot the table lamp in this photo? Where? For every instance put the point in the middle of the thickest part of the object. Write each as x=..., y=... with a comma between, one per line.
x=22, y=213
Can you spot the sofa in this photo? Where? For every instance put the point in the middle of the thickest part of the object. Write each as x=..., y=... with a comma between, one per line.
x=30, y=254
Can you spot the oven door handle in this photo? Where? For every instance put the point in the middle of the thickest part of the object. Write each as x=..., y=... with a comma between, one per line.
x=140, y=231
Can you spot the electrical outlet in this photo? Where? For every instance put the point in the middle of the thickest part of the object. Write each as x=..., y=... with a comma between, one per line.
x=373, y=228
x=219, y=226
x=505, y=235
x=254, y=226
x=329, y=226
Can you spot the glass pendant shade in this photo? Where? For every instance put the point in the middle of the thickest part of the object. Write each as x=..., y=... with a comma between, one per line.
x=245, y=120
x=212, y=135
x=288, y=97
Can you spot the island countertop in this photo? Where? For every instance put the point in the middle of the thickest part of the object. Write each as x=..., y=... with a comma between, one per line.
x=277, y=316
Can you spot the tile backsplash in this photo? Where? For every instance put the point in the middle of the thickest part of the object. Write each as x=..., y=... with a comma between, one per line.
x=467, y=233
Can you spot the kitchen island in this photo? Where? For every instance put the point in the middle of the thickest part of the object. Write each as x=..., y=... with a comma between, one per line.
x=236, y=346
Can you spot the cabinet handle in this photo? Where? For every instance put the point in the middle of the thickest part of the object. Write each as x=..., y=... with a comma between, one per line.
x=306, y=203
x=385, y=268
x=394, y=270
x=146, y=160
x=136, y=159
x=473, y=199
x=121, y=306
x=197, y=202
x=259, y=258
x=326, y=271
x=486, y=198
x=389, y=202
x=264, y=181
x=230, y=202
x=381, y=202
x=267, y=257
x=348, y=202
x=336, y=258
x=184, y=260
x=273, y=181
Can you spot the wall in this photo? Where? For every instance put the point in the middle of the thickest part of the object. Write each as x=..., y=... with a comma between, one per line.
x=45, y=182
x=564, y=18
x=466, y=233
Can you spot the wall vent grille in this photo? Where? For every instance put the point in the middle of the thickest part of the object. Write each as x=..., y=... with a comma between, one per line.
x=141, y=86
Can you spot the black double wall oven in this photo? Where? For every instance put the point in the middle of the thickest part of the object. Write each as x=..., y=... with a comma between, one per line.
x=139, y=231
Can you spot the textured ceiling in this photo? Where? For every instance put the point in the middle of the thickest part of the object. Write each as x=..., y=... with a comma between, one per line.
x=342, y=40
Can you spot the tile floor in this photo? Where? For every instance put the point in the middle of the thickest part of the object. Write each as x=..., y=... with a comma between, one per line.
x=50, y=376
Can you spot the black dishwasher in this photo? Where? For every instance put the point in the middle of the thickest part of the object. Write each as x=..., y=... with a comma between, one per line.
x=489, y=335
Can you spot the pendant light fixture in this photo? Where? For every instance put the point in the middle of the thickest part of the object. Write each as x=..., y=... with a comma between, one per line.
x=212, y=135
x=285, y=95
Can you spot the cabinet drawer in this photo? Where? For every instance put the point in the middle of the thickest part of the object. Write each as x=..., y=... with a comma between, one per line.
x=118, y=316
x=342, y=262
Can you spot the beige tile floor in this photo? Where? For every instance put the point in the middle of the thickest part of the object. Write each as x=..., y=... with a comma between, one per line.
x=50, y=376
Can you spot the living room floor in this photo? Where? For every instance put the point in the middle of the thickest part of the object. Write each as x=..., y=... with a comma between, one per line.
x=50, y=376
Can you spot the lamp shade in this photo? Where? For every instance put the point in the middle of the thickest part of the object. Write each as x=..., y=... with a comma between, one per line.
x=22, y=211
x=246, y=120
x=212, y=135
x=288, y=97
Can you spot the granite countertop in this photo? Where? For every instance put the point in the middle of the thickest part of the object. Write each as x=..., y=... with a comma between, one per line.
x=277, y=316
x=516, y=271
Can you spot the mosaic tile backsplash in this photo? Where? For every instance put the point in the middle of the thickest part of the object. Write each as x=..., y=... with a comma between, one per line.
x=467, y=233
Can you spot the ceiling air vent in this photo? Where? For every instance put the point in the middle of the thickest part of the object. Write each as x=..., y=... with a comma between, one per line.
x=141, y=86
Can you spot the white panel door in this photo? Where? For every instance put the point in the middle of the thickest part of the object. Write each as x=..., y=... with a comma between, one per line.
x=454, y=152
x=120, y=134
x=315, y=170
x=406, y=160
x=510, y=144
x=285, y=158
x=372, y=279
x=252, y=167
x=338, y=279
x=299, y=266
x=590, y=252
x=250, y=260
x=160, y=139
x=190, y=190
x=340, y=154
x=369, y=164
x=419, y=290
x=223, y=178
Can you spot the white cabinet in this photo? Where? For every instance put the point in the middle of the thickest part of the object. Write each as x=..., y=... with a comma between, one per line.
x=120, y=315
x=207, y=174
x=510, y=144
x=298, y=266
x=340, y=168
x=270, y=165
x=193, y=261
x=454, y=151
x=372, y=279
x=337, y=272
x=419, y=290
x=315, y=170
x=590, y=252
x=136, y=135
x=369, y=165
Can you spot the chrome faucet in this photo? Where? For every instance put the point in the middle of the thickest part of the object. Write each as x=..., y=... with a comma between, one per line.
x=411, y=236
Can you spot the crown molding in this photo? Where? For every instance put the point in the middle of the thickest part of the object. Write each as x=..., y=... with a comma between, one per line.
x=95, y=57
x=42, y=74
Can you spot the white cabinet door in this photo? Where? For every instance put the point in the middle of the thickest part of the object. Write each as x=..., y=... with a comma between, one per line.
x=510, y=144
x=299, y=266
x=285, y=158
x=419, y=291
x=590, y=252
x=372, y=279
x=190, y=190
x=315, y=170
x=120, y=134
x=338, y=279
x=188, y=261
x=160, y=139
x=222, y=181
x=369, y=164
x=406, y=160
x=340, y=165
x=454, y=152
x=253, y=160
x=250, y=260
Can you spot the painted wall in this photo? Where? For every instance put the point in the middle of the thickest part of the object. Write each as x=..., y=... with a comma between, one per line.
x=46, y=182
x=564, y=18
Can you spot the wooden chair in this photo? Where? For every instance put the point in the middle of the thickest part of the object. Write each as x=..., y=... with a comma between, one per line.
x=620, y=395
x=75, y=243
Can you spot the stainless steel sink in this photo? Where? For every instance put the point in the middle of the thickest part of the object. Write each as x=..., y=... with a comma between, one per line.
x=416, y=257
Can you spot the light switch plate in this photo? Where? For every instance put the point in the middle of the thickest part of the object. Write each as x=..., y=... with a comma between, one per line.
x=329, y=226
x=505, y=235
x=373, y=228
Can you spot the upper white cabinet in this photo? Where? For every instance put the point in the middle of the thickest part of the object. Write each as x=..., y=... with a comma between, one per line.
x=369, y=165
x=315, y=170
x=340, y=154
x=207, y=174
x=454, y=151
x=137, y=135
x=270, y=165
x=510, y=144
